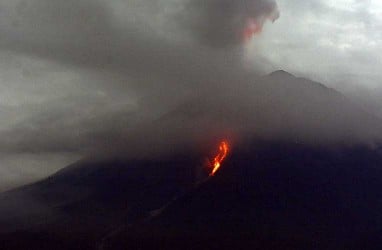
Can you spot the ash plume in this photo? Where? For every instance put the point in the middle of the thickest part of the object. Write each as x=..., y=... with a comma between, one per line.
x=172, y=94
x=221, y=23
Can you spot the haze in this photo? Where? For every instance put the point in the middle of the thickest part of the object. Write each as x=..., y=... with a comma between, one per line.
x=81, y=77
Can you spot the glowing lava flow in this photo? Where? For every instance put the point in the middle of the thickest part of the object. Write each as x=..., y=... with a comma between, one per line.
x=223, y=151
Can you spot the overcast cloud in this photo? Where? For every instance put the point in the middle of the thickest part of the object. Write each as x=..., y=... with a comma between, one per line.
x=80, y=76
x=336, y=42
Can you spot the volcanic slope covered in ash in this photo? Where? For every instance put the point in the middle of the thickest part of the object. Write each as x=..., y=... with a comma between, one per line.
x=77, y=206
x=268, y=194
x=274, y=196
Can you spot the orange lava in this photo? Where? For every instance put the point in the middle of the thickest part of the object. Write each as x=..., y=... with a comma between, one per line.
x=219, y=158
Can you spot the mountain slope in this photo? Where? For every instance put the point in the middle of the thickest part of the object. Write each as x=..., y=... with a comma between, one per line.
x=274, y=196
x=306, y=174
x=84, y=201
x=278, y=106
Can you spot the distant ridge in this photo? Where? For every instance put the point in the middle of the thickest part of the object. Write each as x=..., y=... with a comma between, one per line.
x=281, y=73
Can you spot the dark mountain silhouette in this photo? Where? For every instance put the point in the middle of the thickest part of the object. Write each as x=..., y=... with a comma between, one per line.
x=274, y=196
x=270, y=193
x=84, y=201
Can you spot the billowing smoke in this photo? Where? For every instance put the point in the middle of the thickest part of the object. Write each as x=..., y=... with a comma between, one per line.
x=225, y=23
x=132, y=47
x=157, y=92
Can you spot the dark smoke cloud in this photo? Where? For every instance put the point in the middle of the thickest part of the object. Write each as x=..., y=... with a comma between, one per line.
x=187, y=94
x=221, y=23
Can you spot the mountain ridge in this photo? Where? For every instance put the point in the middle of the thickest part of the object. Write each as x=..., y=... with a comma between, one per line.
x=85, y=201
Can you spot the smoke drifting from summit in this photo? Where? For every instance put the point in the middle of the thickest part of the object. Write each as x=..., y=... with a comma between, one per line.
x=144, y=84
x=130, y=48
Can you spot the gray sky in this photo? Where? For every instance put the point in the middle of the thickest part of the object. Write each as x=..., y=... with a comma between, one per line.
x=336, y=42
x=78, y=74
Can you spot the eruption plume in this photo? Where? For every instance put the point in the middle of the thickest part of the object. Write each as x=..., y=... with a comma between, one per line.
x=254, y=26
x=222, y=23
x=219, y=158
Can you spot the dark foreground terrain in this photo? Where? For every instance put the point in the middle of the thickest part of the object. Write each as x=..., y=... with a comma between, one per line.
x=266, y=196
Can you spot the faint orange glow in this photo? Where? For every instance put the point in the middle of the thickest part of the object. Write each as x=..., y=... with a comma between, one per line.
x=219, y=158
x=252, y=28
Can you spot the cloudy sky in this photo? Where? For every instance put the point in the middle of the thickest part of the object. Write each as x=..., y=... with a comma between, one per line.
x=73, y=73
x=336, y=42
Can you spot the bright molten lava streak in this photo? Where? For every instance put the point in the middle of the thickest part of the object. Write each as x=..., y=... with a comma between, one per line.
x=223, y=151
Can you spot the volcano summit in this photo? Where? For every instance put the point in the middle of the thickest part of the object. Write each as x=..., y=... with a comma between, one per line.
x=268, y=194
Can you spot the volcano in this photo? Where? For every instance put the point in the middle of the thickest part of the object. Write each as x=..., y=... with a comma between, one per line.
x=267, y=194
x=282, y=197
